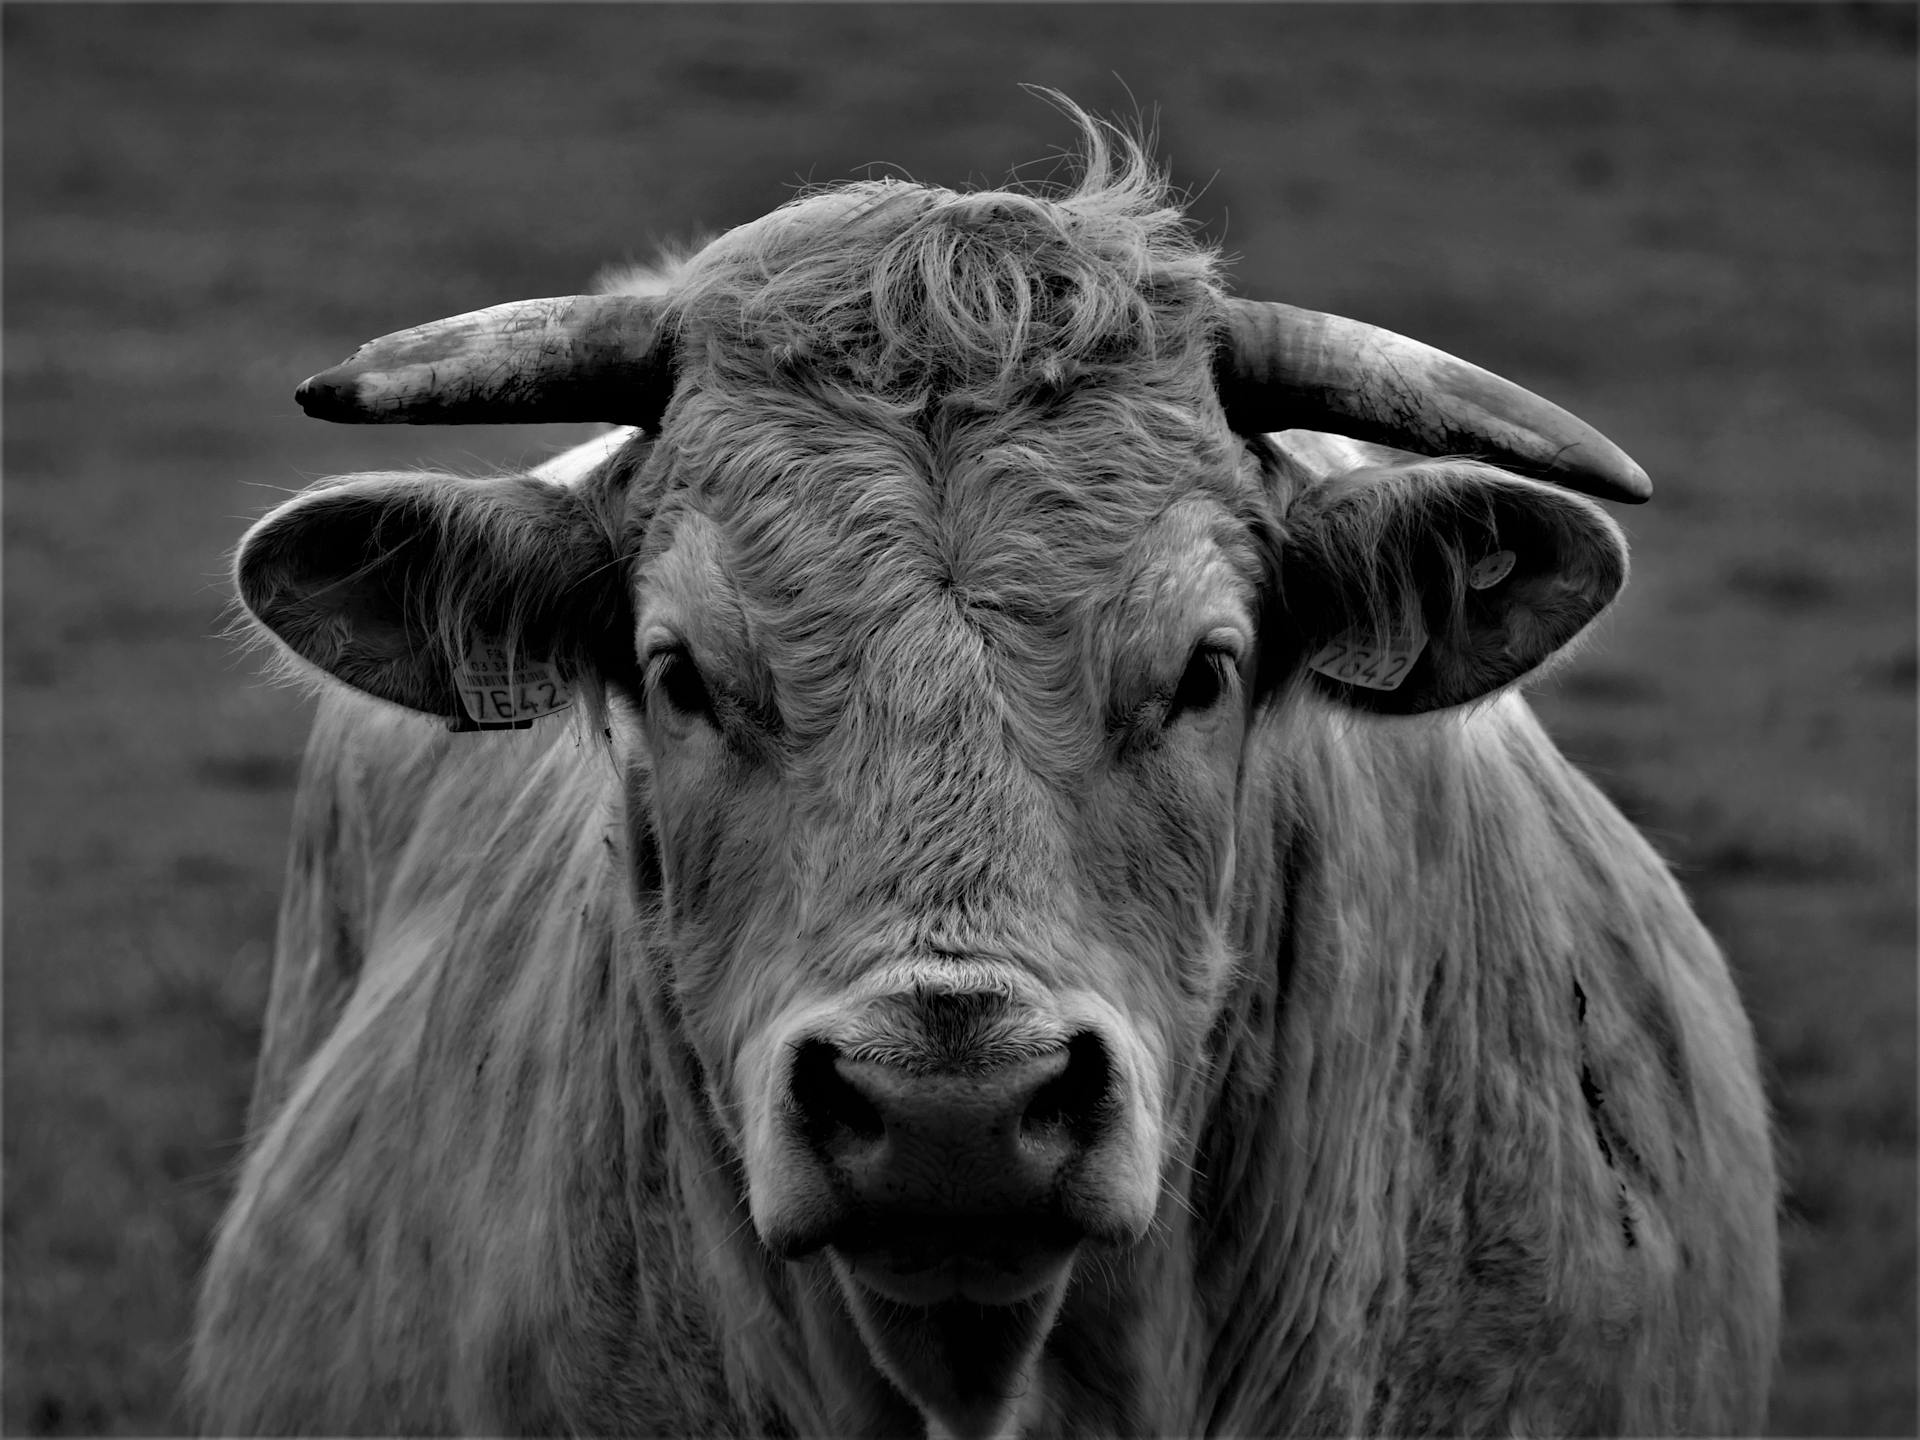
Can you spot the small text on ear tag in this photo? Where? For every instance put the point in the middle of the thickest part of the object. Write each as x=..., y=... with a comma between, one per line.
x=1374, y=661
x=1490, y=570
x=497, y=691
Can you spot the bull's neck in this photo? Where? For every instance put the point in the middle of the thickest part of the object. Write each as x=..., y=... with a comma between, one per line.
x=1372, y=1032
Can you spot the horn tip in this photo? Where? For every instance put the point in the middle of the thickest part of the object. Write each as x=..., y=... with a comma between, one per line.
x=1614, y=476
x=330, y=396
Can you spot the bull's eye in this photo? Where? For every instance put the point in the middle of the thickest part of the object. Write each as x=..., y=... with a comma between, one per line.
x=1203, y=683
x=673, y=680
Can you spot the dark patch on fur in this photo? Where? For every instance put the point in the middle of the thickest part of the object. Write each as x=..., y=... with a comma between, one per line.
x=1596, y=1099
x=1590, y=1092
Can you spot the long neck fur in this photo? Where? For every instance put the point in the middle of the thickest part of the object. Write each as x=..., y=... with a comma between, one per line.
x=1411, y=1214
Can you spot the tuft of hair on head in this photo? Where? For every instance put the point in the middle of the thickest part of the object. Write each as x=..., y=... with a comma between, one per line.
x=917, y=294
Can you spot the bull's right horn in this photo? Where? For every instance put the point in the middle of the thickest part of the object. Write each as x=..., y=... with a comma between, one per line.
x=571, y=358
x=1283, y=368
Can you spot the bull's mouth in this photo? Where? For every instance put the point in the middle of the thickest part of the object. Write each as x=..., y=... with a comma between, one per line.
x=959, y=1333
x=922, y=1261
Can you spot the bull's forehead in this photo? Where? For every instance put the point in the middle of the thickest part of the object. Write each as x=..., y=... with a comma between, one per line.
x=1042, y=562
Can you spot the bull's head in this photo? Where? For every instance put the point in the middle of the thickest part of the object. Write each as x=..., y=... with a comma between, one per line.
x=947, y=611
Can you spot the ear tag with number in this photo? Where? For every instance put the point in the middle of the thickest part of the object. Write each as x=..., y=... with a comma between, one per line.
x=497, y=692
x=1490, y=570
x=1377, y=662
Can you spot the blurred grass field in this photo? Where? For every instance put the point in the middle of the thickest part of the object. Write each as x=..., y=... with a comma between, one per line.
x=1694, y=226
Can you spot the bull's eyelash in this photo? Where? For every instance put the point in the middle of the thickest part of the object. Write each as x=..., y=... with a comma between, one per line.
x=1207, y=680
x=672, y=677
x=1212, y=674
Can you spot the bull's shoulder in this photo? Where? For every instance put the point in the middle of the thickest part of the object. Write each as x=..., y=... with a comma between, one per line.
x=1609, y=1051
x=1601, y=954
x=449, y=918
x=379, y=791
x=1507, y=1012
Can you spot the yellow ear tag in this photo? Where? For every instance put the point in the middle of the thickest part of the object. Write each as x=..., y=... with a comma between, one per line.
x=1377, y=662
x=497, y=691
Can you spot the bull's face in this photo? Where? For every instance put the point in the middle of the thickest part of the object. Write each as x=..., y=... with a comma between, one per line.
x=941, y=748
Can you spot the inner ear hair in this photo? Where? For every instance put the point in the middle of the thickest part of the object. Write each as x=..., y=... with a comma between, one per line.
x=384, y=581
x=1490, y=574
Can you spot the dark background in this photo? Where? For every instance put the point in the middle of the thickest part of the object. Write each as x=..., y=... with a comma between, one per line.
x=1694, y=226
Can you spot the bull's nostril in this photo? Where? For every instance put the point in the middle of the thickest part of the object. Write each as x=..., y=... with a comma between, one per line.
x=827, y=1105
x=1074, y=1101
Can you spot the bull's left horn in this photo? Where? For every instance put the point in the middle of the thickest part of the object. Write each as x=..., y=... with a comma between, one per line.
x=570, y=358
x=1284, y=368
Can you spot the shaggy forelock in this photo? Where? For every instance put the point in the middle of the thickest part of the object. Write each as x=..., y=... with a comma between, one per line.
x=908, y=296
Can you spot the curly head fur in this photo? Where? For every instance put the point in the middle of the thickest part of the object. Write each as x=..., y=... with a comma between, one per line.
x=914, y=294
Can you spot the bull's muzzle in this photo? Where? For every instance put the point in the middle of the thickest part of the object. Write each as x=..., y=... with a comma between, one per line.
x=936, y=1172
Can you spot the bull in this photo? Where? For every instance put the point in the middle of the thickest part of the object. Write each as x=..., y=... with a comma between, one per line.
x=984, y=873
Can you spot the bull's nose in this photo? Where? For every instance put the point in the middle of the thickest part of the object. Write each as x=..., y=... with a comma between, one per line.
x=900, y=1139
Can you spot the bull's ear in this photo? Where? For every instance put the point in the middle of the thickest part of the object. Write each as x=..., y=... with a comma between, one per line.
x=1423, y=586
x=419, y=588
